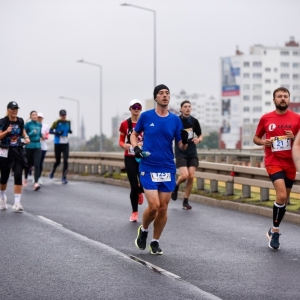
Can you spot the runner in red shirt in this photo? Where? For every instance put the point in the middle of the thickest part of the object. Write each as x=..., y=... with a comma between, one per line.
x=131, y=165
x=276, y=132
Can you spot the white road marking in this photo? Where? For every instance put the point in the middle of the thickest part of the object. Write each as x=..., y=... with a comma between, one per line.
x=49, y=221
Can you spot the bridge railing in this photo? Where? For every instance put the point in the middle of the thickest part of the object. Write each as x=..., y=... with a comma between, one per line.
x=213, y=166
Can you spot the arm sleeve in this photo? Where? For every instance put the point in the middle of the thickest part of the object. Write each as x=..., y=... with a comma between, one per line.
x=197, y=128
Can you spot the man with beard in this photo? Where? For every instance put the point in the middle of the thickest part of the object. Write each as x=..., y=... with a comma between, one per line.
x=276, y=132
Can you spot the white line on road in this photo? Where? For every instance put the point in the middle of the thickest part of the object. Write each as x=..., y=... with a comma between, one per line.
x=49, y=221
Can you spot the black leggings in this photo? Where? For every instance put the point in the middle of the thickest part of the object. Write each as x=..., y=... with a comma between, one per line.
x=17, y=169
x=42, y=161
x=34, y=159
x=132, y=169
x=58, y=149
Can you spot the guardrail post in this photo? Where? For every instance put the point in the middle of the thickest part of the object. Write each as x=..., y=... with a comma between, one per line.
x=109, y=170
x=253, y=161
x=218, y=158
x=264, y=194
x=246, y=191
x=214, y=186
x=118, y=170
x=229, y=188
x=209, y=158
x=103, y=169
x=200, y=184
x=229, y=159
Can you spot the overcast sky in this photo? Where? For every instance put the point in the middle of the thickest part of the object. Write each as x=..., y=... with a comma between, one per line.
x=41, y=40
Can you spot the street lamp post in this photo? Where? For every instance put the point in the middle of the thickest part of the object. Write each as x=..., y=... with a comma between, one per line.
x=78, y=110
x=101, y=119
x=154, y=35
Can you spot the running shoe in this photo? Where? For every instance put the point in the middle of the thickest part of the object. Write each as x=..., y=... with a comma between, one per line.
x=175, y=194
x=40, y=181
x=36, y=187
x=3, y=205
x=186, y=205
x=18, y=207
x=273, y=239
x=25, y=182
x=51, y=175
x=141, y=239
x=141, y=199
x=134, y=217
x=155, y=249
x=64, y=180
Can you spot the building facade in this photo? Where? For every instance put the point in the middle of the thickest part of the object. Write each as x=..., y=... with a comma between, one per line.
x=248, y=82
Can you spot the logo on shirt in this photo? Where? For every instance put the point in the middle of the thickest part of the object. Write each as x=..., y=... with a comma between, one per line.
x=152, y=124
x=272, y=127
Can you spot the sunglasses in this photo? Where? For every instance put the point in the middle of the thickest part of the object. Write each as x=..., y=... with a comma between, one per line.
x=138, y=107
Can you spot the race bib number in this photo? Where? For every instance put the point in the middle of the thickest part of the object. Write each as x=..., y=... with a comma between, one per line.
x=130, y=150
x=63, y=140
x=281, y=143
x=160, y=177
x=4, y=152
x=190, y=133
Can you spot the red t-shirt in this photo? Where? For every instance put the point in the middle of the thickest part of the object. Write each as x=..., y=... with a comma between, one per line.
x=124, y=129
x=273, y=125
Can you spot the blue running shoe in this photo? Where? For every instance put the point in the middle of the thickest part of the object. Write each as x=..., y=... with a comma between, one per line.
x=51, y=175
x=273, y=239
x=64, y=180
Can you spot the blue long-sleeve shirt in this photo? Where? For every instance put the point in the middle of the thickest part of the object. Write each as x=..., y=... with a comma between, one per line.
x=61, y=129
x=34, y=131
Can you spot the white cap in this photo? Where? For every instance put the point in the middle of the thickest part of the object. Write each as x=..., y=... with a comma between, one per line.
x=40, y=115
x=134, y=101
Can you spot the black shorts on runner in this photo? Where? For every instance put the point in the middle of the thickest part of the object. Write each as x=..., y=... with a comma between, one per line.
x=187, y=162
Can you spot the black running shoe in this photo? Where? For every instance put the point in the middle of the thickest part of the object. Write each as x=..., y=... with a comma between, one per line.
x=154, y=248
x=141, y=239
x=185, y=205
x=174, y=194
x=273, y=239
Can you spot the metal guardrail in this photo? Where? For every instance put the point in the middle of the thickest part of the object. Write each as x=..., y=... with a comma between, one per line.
x=94, y=163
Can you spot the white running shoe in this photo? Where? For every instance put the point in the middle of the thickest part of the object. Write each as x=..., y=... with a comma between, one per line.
x=3, y=205
x=18, y=207
x=40, y=181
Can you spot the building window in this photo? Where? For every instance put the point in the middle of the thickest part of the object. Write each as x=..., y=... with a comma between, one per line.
x=246, y=98
x=268, y=92
x=275, y=80
x=296, y=53
x=246, y=143
x=246, y=132
x=256, y=75
x=296, y=87
x=284, y=64
x=246, y=109
x=268, y=103
x=257, y=109
x=295, y=76
x=275, y=69
x=255, y=121
x=296, y=65
x=296, y=99
x=284, y=76
x=267, y=80
x=268, y=69
x=284, y=53
x=246, y=121
x=257, y=98
x=246, y=75
x=246, y=87
x=256, y=87
x=257, y=64
x=246, y=64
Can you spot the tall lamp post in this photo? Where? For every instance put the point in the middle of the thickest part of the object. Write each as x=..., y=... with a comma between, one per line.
x=154, y=35
x=78, y=110
x=101, y=119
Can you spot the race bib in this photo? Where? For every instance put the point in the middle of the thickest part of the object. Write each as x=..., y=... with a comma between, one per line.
x=63, y=140
x=160, y=177
x=4, y=152
x=131, y=151
x=190, y=132
x=281, y=143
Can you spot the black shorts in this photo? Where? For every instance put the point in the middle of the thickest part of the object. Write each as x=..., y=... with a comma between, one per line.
x=187, y=162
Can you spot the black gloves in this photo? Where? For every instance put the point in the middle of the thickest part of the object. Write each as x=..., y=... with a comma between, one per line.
x=184, y=136
x=138, y=152
x=58, y=133
x=70, y=131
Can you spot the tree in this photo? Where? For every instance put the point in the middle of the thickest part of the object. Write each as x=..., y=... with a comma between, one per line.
x=210, y=141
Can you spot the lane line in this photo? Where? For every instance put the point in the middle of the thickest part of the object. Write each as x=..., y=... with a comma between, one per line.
x=49, y=221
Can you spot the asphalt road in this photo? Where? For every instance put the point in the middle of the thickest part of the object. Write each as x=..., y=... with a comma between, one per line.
x=75, y=242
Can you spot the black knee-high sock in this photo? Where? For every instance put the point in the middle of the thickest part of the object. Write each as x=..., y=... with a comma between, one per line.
x=278, y=213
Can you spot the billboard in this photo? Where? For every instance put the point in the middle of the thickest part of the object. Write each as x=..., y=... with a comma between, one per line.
x=231, y=103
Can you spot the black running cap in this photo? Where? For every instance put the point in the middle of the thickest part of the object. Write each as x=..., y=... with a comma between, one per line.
x=62, y=112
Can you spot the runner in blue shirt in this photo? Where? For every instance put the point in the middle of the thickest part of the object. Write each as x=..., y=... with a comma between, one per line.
x=157, y=170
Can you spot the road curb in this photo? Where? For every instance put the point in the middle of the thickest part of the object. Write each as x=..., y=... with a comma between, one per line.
x=248, y=208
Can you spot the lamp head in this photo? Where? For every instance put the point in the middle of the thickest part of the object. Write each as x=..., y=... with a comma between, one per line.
x=124, y=4
x=80, y=61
